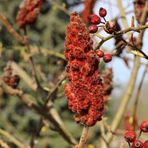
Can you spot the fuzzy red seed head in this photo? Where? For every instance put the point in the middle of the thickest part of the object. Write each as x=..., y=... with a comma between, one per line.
x=144, y=126
x=100, y=53
x=28, y=12
x=9, y=77
x=145, y=144
x=129, y=136
x=84, y=91
x=93, y=29
x=102, y=12
x=95, y=19
x=107, y=58
x=137, y=144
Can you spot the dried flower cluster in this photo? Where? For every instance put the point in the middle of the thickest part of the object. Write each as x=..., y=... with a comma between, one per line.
x=84, y=91
x=28, y=12
x=88, y=9
x=9, y=77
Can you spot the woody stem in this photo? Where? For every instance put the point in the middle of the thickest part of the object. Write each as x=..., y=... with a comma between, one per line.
x=83, y=138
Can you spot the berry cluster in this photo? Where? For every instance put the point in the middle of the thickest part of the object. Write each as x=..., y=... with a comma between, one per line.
x=106, y=57
x=130, y=136
x=109, y=27
x=28, y=12
x=95, y=20
x=10, y=78
x=85, y=89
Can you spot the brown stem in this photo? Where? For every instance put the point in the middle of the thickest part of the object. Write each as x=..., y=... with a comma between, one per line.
x=83, y=139
x=11, y=30
x=12, y=139
x=138, y=98
x=142, y=27
x=50, y=114
x=141, y=53
x=3, y=144
x=39, y=87
x=51, y=92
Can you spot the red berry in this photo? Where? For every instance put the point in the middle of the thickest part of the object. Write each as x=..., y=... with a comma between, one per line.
x=137, y=144
x=144, y=126
x=146, y=144
x=100, y=53
x=107, y=58
x=95, y=19
x=130, y=136
x=102, y=12
x=93, y=29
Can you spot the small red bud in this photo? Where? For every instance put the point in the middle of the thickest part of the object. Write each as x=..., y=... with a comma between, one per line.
x=107, y=58
x=146, y=144
x=95, y=19
x=144, y=126
x=100, y=53
x=102, y=12
x=93, y=29
x=137, y=144
x=130, y=136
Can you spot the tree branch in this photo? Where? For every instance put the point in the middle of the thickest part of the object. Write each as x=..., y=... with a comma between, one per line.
x=11, y=30
x=138, y=98
x=12, y=139
x=83, y=139
x=49, y=113
x=137, y=29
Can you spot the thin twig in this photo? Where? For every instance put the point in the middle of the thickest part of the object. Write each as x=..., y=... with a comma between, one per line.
x=142, y=27
x=52, y=91
x=37, y=132
x=3, y=144
x=45, y=51
x=11, y=30
x=138, y=98
x=24, y=76
x=39, y=87
x=60, y=7
x=83, y=139
x=30, y=57
x=50, y=114
x=141, y=53
x=12, y=139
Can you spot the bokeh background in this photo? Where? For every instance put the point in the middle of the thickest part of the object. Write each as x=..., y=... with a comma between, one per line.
x=48, y=33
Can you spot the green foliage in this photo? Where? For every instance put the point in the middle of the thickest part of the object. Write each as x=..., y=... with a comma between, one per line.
x=49, y=33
